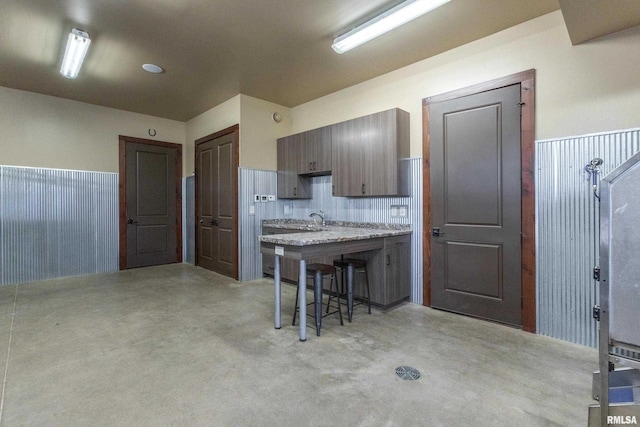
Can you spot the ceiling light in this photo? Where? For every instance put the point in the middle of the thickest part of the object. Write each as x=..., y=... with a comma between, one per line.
x=77, y=46
x=153, y=68
x=393, y=18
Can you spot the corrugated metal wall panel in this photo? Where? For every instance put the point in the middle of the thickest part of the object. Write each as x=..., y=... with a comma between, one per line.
x=56, y=223
x=377, y=209
x=188, y=220
x=567, y=230
x=252, y=182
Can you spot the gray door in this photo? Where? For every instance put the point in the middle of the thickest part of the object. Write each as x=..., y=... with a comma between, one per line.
x=151, y=200
x=475, y=205
x=216, y=211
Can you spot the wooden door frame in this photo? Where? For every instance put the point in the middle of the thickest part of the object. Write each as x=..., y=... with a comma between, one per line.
x=235, y=129
x=526, y=79
x=122, y=191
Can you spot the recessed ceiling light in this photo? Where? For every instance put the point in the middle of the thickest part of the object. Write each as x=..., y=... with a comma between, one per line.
x=152, y=68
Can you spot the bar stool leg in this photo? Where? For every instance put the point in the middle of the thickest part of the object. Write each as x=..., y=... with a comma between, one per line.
x=295, y=310
x=366, y=278
x=350, y=291
x=334, y=280
x=317, y=300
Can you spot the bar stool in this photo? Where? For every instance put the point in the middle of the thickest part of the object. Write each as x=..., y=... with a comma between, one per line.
x=318, y=272
x=359, y=266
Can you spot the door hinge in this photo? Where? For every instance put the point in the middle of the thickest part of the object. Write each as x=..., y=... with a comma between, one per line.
x=596, y=312
x=596, y=273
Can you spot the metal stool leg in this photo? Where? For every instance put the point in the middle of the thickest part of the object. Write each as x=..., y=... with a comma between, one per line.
x=295, y=310
x=334, y=280
x=317, y=300
x=366, y=277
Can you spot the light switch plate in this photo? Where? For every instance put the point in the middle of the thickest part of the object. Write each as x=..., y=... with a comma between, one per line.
x=399, y=210
x=264, y=198
x=272, y=198
x=256, y=198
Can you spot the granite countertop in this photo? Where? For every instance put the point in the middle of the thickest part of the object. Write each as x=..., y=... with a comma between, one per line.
x=312, y=233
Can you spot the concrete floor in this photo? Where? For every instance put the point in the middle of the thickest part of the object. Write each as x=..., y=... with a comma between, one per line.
x=178, y=345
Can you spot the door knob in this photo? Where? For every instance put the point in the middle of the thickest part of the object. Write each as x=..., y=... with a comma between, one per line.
x=131, y=221
x=214, y=222
x=436, y=231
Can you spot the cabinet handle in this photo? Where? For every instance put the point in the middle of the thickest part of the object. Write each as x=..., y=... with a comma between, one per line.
x=333, y=190
x=388, y=259
x=315, y=167
x=310, y=166
x=295, y=191
x=363, y=189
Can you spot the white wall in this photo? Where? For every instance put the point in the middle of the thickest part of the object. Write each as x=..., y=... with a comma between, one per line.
x=588, y=88
x=258, y=133
x=216, y=119
x=45, y=131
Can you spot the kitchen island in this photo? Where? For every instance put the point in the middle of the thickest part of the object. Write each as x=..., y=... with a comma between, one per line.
x=385, y=246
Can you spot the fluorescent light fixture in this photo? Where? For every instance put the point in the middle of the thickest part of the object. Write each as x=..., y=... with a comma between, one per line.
x=77, y=46
x=393, y=18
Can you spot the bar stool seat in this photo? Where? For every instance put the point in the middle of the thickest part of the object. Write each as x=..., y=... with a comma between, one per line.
x=359, y=266
x=318, y=272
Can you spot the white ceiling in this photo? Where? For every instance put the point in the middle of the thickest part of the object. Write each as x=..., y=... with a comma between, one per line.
x=276, y=50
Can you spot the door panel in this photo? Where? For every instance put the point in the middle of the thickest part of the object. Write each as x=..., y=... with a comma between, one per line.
x=151, y=216
x=217, y=212
x=481, y=275
x=476, y=204
x=466, y=164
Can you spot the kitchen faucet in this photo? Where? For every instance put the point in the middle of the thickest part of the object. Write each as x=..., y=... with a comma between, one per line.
x=321, y=215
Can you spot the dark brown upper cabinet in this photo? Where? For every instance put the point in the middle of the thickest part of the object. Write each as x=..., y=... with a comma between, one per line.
x=301, y=156
x=362, y=155
x=315, y=151
x=366, y=152
x=290, y=184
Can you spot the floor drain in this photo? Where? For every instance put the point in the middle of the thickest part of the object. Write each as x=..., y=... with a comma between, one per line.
x=407, y=373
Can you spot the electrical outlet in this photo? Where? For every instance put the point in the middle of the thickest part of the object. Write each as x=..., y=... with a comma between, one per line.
x=272, y=198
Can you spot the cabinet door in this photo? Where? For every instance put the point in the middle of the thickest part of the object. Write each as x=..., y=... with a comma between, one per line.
x=397, y=268
x=315, y=151
x=379, y=157
x=290, y=184
x=348, y=140
x=365, y=154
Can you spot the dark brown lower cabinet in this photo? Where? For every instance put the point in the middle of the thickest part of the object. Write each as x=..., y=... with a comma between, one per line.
x=389, y=273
